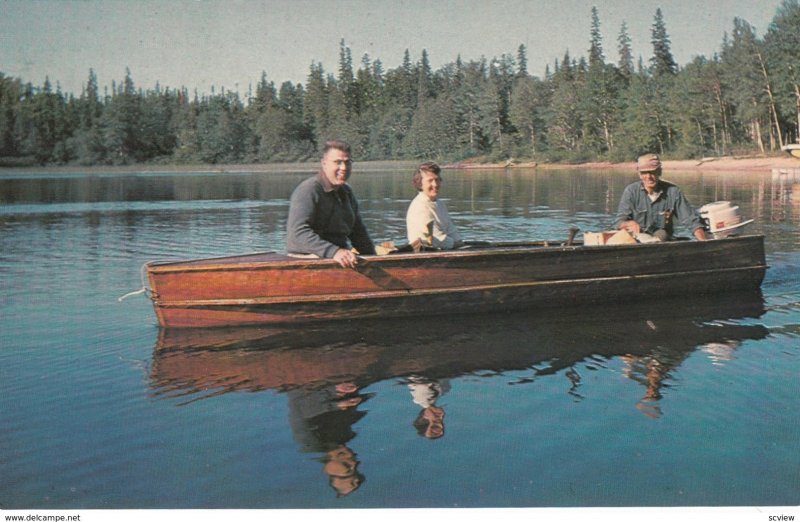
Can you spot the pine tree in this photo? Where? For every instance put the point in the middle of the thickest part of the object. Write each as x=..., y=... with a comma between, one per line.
x=408, y=83
x=346, y=82
x=625, y=64
x=10, y=90
x=434, y=130
x=599, y=97
x=528, y=105
x=522, y=61
x=424, y=78
x=564, y=118
x=316, y=103
x=662, y=62
x=743, y=82
x=596, y=58
x=470, y=105
x=782, y=49
x=187, y=144
x=640, y=128
x=502, y=74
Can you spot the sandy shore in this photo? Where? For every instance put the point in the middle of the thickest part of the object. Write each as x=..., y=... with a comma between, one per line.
x=727, y=164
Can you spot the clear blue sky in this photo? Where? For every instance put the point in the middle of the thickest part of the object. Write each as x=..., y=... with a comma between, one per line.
x=228, y=43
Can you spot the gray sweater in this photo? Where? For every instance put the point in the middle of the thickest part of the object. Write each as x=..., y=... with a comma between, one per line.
x=323, y=219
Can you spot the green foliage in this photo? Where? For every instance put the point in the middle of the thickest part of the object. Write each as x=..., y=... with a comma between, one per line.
x=746, y=98
x=782, y=49
x=662, y=61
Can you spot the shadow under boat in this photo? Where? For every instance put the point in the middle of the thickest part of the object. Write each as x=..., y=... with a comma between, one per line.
x=214, y=361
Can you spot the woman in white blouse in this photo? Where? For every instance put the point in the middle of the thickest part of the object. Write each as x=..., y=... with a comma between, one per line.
x=427, y=220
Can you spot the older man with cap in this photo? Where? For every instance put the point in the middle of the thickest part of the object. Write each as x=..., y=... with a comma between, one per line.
x=649, y=206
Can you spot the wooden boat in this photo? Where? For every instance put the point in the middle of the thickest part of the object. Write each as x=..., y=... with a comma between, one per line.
x=270, y=288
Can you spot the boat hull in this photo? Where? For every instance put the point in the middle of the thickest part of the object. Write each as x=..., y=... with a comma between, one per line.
x=793, y=150
x=274, y=289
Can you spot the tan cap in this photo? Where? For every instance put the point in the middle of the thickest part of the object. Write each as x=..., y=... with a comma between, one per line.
x=648, y=163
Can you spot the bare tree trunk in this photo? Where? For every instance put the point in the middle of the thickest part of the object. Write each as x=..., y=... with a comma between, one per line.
x=607, y=133
x=797, y=100
x=471, y=132
x=716, y=143
x=772, y=107
x=723, y=116
x=771, y=138
x=757, y=135
x=700, y=135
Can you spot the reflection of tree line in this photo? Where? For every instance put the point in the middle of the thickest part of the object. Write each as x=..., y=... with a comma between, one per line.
x=324, y=381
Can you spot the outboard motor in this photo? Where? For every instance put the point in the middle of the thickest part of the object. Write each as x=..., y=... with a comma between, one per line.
x=722, y=219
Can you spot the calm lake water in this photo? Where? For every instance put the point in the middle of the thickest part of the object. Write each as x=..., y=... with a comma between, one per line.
x=684, y=403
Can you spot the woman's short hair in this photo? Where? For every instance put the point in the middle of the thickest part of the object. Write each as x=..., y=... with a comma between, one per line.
x=428, y=166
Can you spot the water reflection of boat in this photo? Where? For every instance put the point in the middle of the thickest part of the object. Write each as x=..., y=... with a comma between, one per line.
x=324, y=370
x=363, y=352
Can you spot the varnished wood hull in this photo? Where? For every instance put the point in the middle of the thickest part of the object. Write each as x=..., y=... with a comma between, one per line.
x=274, y=289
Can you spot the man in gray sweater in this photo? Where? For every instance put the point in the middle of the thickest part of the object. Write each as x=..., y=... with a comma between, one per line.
x=323, y=212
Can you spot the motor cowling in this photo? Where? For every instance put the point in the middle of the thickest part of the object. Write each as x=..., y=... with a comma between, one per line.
x=722, y=219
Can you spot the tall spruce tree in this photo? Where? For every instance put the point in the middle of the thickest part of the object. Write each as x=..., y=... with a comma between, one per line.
x=424, y=78
x=596, y=58
x=599, y=99
x=316, y=103
x=625, y=52
x=522, y=61
x=10, y=91
x=662, y=62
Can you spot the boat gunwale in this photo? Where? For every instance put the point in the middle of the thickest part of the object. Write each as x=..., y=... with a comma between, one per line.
x=295, y=263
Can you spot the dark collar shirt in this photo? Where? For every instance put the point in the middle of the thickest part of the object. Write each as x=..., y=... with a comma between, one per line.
x=323, y=218
x=636, y=205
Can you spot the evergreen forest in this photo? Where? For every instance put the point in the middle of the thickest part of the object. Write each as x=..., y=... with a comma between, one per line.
x=745, y=99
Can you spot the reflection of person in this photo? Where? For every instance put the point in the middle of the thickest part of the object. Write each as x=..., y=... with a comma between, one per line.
x=322, y=421
x=323, y=212
x=652, y=370
x=341, y=467
x=430, y=421
x=427, y=220
x=647, y=207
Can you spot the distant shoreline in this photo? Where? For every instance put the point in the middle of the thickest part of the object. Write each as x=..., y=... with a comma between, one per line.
x=727, y=164
x=730, y=163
